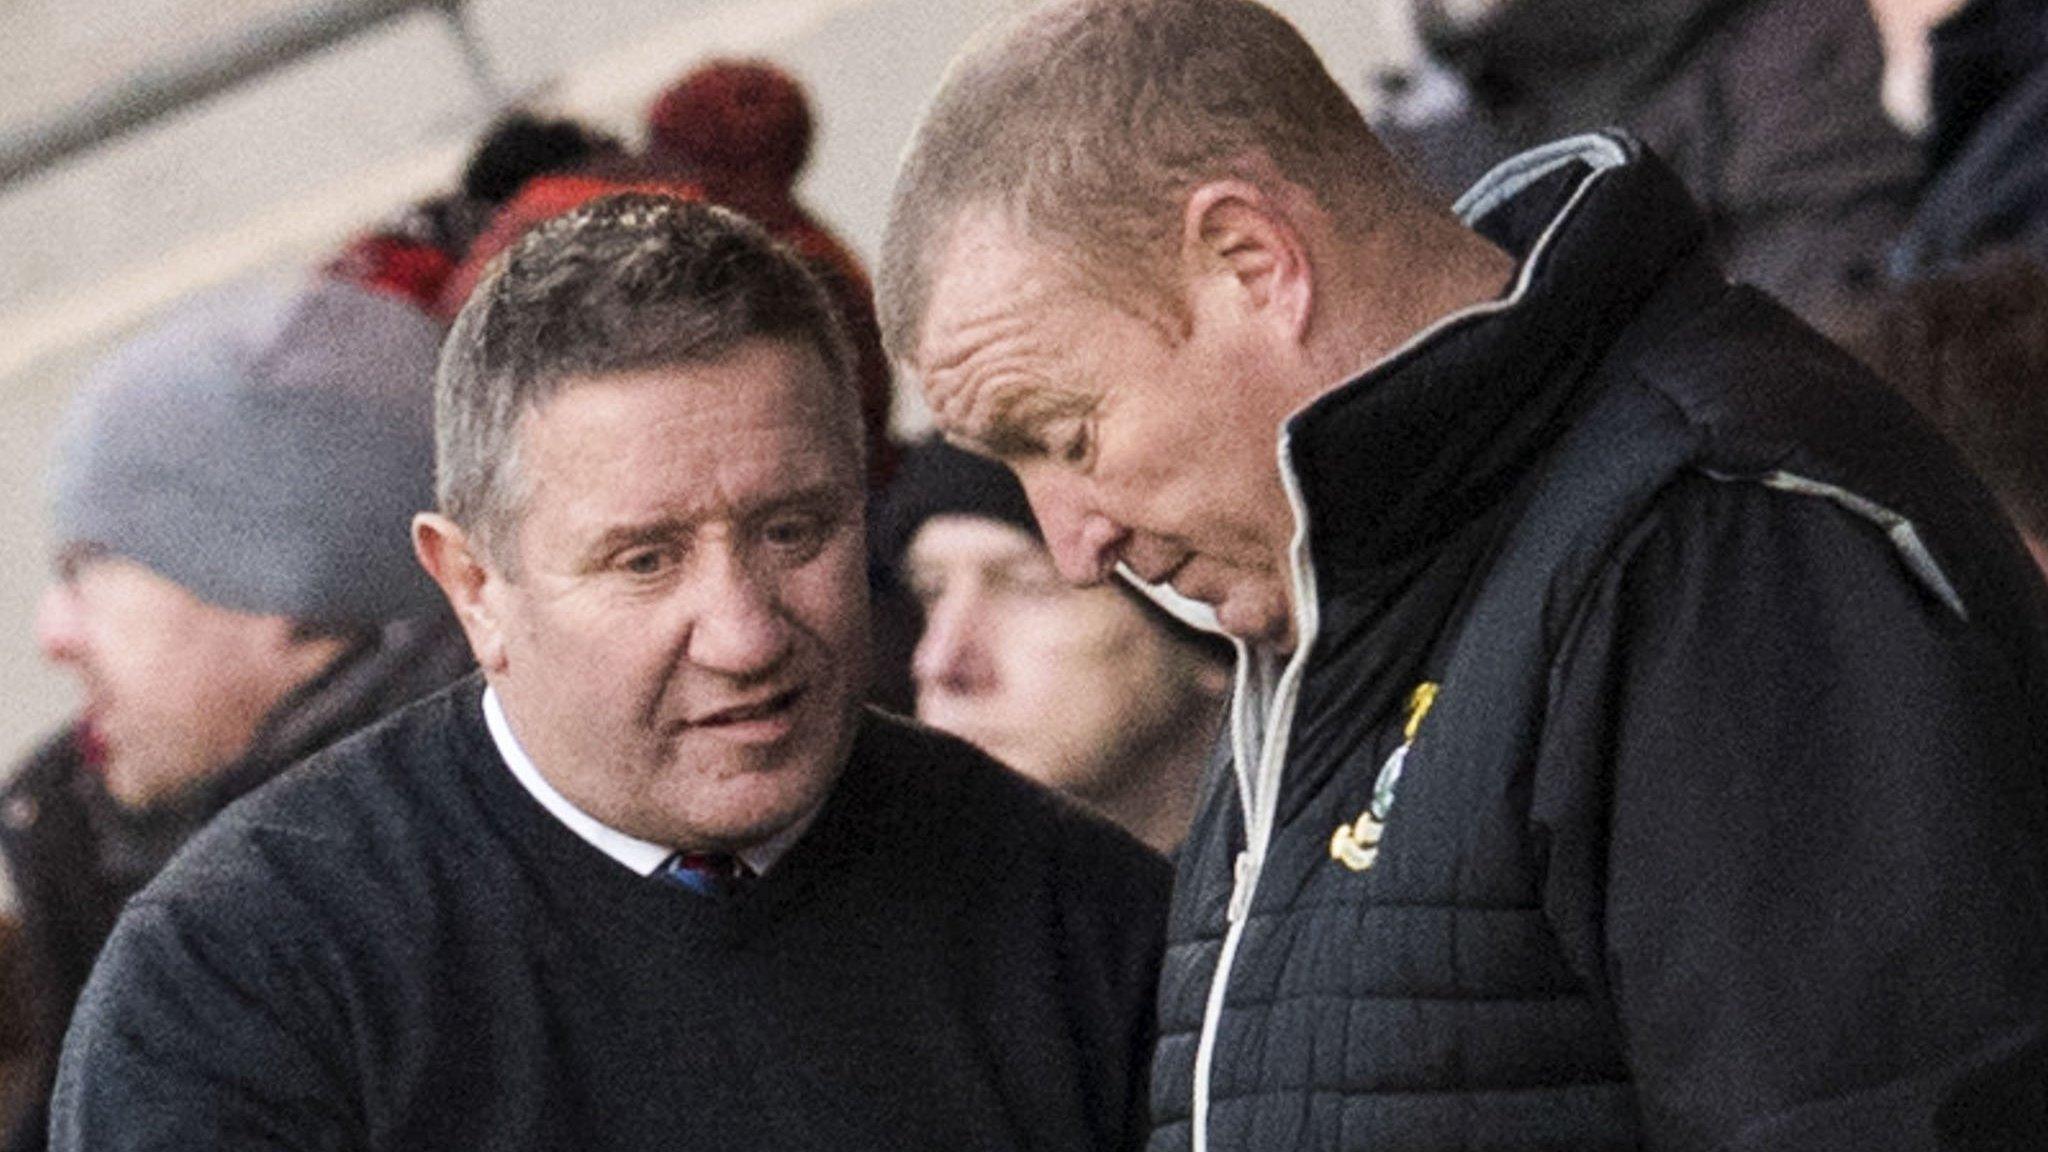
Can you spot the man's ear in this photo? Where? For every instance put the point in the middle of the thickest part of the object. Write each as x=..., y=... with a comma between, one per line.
x=1236, y=231
x=471, y=584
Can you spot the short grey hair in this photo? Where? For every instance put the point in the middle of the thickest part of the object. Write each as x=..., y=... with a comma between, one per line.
x=1088, y=122
x=624, y=283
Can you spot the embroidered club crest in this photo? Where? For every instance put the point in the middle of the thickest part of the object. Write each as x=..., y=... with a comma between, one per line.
x=1356, y=845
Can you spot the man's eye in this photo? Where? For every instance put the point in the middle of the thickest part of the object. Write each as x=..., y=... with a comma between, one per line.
x=799, y=535
x=644, y=561
x=1075, y=450
x=72, y=562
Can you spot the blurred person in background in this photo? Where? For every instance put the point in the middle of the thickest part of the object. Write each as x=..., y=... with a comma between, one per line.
x=1095, y=691
x=655, y=879
x=234, y=591
x=1969, y=348
x=1766, y=109
x=1970, y=79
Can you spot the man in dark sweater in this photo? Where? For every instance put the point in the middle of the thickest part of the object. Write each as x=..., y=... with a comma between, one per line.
x=654, y=880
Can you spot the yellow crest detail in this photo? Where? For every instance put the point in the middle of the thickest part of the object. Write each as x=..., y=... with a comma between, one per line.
x=1356, y=845
x=1419, y=702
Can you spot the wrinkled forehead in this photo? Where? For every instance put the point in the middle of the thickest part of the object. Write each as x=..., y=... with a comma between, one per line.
x=764, y=419
x=760, y=379
x=997, y=335
x=981, y=267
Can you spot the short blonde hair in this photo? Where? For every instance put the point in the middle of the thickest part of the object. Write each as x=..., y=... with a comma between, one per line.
x=1087, y=123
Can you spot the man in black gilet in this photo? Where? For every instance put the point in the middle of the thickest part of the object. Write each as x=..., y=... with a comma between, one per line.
x=1642, y=724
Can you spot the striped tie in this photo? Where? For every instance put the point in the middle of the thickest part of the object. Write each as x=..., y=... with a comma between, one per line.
x=713, y=874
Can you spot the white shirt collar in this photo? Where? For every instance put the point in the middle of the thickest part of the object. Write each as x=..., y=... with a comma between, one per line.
x=639, y=855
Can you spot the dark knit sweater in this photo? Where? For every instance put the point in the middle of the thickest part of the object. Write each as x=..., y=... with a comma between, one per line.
x=396, y=947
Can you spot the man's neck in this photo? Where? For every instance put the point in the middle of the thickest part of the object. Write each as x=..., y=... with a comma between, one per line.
x=1399, y=281
x=641, y=855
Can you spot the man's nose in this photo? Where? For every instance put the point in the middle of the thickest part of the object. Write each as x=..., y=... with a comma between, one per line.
x=1084, y=543
x=739, y=628
x=952, y=654
x=60, y=625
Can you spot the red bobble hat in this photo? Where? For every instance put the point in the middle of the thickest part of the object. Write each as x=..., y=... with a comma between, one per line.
x=742, y=117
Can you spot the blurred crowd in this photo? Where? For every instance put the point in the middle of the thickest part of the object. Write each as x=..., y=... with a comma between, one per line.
x=234, y=589
x=1877, y=165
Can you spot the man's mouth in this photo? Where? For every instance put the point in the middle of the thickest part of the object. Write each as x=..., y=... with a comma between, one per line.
x=764, y=719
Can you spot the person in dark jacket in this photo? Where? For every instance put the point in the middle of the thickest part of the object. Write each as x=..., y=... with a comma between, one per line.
x=1642, y=725
x=235, y=591
x=1767, y=109
x=1971, y=81
x=655, y=880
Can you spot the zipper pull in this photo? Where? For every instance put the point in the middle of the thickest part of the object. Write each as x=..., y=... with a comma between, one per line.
x=1246, y=879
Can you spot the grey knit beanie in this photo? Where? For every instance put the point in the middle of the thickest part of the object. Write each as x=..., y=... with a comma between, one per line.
x=265, y=450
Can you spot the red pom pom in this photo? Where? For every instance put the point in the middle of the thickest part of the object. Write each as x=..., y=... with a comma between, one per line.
x=737, y=118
